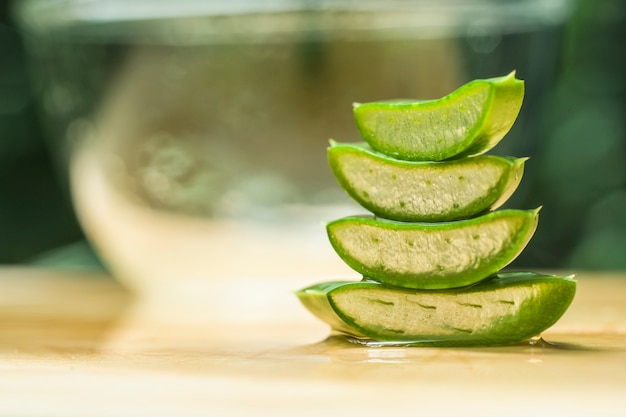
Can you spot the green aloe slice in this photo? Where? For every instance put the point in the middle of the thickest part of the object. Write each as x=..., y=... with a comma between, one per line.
x=509, y=308
x=469, y=121
x=424, y=191
x=432, y=255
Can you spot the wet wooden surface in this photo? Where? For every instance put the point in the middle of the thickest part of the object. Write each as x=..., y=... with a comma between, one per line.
x=78, y=344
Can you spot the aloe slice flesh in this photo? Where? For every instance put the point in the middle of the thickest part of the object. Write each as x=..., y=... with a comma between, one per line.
x=505, y=309
x=432, y=255
x=469, y=121
x=424, y=191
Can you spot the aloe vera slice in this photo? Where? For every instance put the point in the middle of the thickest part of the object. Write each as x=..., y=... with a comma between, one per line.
x=506, y=309
x=432, y=255
x=424, y=191
x=469, y=121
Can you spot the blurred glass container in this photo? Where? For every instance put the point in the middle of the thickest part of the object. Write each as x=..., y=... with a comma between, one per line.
x=195, y=132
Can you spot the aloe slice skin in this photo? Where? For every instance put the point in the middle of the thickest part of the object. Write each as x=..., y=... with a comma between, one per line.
x=469, y=121
x=414, y=191
x=509, y=308
x=432, y=255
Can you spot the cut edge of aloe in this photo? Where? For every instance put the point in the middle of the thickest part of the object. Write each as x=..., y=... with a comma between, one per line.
x=508, y=308
x=380, y=166
x=380, y=265
x=482, y=132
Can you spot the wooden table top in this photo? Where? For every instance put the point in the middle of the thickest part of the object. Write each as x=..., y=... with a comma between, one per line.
x=78, y=344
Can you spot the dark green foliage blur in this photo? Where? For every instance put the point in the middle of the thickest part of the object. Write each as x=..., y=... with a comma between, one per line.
x=577, y=170
x=35, y=209
x=580, y=159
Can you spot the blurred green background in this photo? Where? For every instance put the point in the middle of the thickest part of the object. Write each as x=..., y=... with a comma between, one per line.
x=37, y=223
x=577, y=171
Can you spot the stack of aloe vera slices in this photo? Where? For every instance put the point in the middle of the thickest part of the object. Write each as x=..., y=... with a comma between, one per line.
x=432, y=254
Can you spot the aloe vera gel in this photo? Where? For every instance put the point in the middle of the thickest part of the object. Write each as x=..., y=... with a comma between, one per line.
x=433, y=252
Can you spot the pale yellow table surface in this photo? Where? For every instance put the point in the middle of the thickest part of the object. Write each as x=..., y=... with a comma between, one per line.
x=77, y=344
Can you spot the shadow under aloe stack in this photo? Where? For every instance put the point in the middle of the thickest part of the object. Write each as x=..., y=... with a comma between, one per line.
x=432, y=254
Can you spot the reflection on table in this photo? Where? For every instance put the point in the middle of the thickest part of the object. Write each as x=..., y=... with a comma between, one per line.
x=74, y=343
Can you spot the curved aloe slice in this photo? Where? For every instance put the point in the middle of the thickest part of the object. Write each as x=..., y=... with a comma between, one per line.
x=469, y=121
x=509, y=308
x=424, y=191
x=432, y=255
